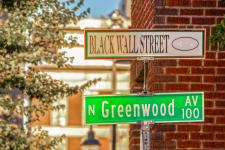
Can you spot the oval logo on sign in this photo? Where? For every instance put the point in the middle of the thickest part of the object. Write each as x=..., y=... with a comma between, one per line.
x=185, y=43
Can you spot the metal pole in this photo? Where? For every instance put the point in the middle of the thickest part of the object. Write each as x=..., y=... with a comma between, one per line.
x=114, y=91
x=114, y=137
x=145, y=139
x=145, y=136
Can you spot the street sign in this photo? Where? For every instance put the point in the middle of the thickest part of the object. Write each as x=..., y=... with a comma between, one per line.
x=159, y=108
x=134, y=44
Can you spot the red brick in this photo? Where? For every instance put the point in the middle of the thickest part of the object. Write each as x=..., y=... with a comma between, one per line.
x=220, y=120
x=198, y=27
x=189, y=78
x=204, y=3
x=190, y=62
x=220, y=95
x=210, y=55
x=135, y=133
x=188, y=144
x=194, y=149
x=214, y=79
x=165, y=127
x=166, y=11
x=180, y=3
x=188, y=128
x=164, y=26
x=220, y=70
x=204, y=87
x=214, y=95
x=135, y=140
x=211, y=63
x=202, y=70
x=218, y=20
x=203, y=21
x=178, y=20
x=212, y=31
x=182, y=27
x=159, y=20
x=213, y=144
x=135, y=126
x=172, y=136
x=169, y=145
x=177, y=70
x=214, y=128
x=164, y=78
x=202, y=136
x=178, y=87
x=220, y=103
x=157, y=136
x=221, y=63
x=214, y=12
x=190, y=27
x=209, y=103
x=165, y=63
x=191, y=12
x=215, y=112
x=221, y=4
x=160, y=2
x=157, y=70
x=211, y=70
x=220, y=87
x=221, y=55
x=210, y=95
x=158, y=87
x=220, y=136
x=209, y=120
x=221, y=49
x=134, y=146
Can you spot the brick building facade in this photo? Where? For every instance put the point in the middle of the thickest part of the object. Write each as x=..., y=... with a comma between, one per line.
x=206, y=75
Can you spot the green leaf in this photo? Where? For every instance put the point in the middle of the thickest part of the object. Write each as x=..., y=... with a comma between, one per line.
x=30, y=35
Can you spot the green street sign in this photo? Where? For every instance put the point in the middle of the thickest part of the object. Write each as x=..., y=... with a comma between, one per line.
x=160, y=108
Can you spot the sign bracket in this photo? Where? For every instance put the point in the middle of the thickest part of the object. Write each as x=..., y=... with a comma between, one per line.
x=145, y=84
x=145, y=87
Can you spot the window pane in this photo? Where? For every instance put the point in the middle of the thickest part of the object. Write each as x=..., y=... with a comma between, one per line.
x=59, y=118
x=123, y=86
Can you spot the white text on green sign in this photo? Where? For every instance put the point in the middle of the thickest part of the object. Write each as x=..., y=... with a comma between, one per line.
x=132, y=44
x=160, y=108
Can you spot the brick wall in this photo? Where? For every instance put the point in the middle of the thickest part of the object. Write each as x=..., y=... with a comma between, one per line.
x=184, y=75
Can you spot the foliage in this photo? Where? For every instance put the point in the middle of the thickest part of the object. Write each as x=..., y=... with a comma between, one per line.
x=219, y=35
x=31, y=32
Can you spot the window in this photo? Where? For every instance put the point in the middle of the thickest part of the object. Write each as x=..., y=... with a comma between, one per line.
x=59, y=118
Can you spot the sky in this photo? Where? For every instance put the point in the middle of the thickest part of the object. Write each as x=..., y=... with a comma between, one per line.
x=100, y=8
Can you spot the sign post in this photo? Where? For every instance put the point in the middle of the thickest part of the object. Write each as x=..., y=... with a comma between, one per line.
x=145, y=45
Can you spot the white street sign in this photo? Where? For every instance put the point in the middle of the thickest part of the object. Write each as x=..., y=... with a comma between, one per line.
x=133, y=44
